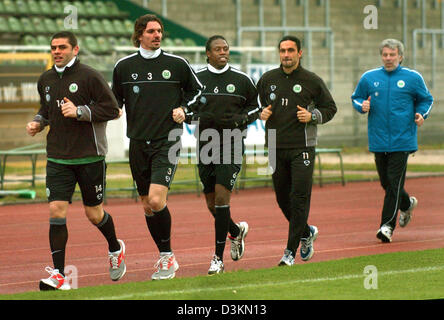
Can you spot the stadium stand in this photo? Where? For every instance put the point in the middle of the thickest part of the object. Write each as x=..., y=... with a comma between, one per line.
x=21, y=19
x=105, y=25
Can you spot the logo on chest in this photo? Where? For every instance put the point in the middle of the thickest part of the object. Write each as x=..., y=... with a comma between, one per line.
x=297, y=88
x=231, y=88
x=73, y=87
x=166, y=74
x=400, y=84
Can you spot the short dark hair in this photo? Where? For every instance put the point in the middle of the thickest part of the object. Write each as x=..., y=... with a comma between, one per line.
x=72, y=39
x=210, y=41
x=291, y=38
x=140, y=26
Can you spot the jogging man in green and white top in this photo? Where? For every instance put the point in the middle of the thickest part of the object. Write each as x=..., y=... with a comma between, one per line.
x=153, y=86
x=76, y=103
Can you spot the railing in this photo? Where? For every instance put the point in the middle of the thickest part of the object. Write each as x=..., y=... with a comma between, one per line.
x=309, y=31
x=423, y=5
x=434, y=33
x=285, y=29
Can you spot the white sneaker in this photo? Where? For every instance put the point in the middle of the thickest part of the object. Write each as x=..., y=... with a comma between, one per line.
x=406, y=216
x=385, y=234
x=307, y=249
x=117, y=268
x=216, y=266
x=56, y=281
x=287, y=259
x=238, y=243
x=166, y=267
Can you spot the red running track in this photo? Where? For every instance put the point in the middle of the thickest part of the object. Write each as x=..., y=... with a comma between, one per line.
x=347, y=217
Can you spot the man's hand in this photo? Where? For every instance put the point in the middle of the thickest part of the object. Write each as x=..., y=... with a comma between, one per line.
x=303, y=114
x=366, y=104
x=419, y=119
x=178, y=115
x=120, y=113
x=32, y=128
x=69, y=110
x=266, y=113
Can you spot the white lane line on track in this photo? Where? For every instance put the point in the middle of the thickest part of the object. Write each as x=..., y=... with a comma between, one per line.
x=268, y=284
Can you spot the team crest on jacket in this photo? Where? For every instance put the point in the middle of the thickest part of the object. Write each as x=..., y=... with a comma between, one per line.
x=400, y=84
x=231, y=88
x=136, y=89
x=73, y=87
x=166, y=74
x=297, y=88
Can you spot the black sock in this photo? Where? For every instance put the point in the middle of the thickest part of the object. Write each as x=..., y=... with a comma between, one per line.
x=58, y=237
x=159, y=225
x=306, y=233
x=106, y=226
x=233, y=228
x=221, y=224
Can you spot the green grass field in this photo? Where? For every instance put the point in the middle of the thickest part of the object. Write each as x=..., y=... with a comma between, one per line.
x=416, y=275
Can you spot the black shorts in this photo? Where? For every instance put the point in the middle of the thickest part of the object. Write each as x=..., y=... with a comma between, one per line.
x=152, y=162
x=221, y=172
x=61, y=180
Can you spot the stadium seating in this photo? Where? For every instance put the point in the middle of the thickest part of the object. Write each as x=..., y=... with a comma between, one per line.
x=45, y=7
x=60, y=24
x=113, y=10
x=119, y=27
x=15, y=25
x=9, y=7
x=108, y=27
x=85, y=27
x=30, y=40
x=34, y=7
x=50, y=24
x=123, y=41
x=43, y=40
x=22, y=7
x=81, y=11
x=4, y=26
x=101, y=9
x=89, y=43
x=96, y=26
x=56, y=7
x=101, y=25
x=27, y=26
x=39, y=26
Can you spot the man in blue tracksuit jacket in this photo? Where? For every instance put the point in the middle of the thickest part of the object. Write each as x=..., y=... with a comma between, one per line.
x=397, y=102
